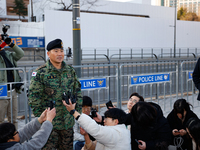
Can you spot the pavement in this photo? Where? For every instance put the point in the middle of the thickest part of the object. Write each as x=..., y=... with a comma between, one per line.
x=165, y=104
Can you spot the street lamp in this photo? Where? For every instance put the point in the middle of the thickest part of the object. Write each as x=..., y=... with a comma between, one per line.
x=175, y=1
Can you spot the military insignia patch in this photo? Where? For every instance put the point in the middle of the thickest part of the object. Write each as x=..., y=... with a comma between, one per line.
x=34, y=73
x=69, y=75
x=51, y=77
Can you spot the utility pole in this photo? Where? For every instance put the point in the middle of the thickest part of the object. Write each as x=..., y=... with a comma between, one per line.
x=175, y=29
x=76, y=36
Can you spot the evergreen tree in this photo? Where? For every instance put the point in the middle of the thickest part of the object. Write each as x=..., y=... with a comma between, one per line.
x=181, y=13
x=20, y=8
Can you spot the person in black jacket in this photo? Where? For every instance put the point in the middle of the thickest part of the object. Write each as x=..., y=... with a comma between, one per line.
x=148, y=126
x=177, y=119
x=193, y=129
x=196, y=77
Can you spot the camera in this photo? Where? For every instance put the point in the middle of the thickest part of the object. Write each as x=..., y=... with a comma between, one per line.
x=93, y=112
x=52, y=104
x=68, y=96
x=5, y=29
x=4, y=36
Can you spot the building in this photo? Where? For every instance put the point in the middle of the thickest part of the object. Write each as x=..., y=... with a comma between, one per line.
x=190, y=5
x=157, y=2
x=6, y=8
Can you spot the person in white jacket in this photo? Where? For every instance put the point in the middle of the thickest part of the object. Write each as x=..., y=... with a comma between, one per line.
x=113, y=136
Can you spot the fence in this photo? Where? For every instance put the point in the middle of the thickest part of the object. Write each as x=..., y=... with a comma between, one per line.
x=146, y=81
x=186, y=78
x=118, y=86
x=11, y=83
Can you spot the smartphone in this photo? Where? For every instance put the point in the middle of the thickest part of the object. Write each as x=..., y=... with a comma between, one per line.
x=176, y=131
x=109, y=104
x=138, y=142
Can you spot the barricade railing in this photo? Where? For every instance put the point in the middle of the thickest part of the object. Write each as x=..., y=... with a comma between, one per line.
x=150, y=79
x=11, y=83
x=113, y=75
x=99, y=78
x=188, y=79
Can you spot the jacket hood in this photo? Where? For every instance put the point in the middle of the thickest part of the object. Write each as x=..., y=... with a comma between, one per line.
x=4, y=146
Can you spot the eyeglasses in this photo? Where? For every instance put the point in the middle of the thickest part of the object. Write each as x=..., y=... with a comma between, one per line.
x=86, y=108
x=133, y=100
x=15, y=133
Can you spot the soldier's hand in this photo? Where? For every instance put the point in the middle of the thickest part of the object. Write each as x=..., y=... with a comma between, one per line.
x=70, y=106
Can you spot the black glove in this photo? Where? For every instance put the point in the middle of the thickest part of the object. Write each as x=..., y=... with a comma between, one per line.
x=8, y=40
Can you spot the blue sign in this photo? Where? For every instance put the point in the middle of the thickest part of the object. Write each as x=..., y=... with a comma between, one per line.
x=28, y=41
x=190, y=74
x=150, y=78
x=93, y=83
x=3, y=91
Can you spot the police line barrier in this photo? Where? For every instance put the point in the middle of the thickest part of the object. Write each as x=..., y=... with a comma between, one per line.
x=186, y=77
x=150, y=79
x=116, y=79
x=98, y=81
x=3, y=90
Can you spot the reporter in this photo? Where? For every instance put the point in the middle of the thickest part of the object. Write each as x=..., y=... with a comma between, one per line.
x=9, y=60
x=11, y=139
x=177, y=119
x=148, y=126
x=112, y=136
x=193, y=129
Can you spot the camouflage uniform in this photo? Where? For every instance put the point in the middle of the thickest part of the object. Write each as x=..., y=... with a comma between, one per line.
x=63, y=80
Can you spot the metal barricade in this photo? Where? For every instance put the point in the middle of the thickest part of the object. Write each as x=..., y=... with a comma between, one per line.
x=91, y=75
x=186, y=77
x=11, y=83
x=173, y=76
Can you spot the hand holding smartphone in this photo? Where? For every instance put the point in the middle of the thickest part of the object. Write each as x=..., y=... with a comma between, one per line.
x=109, y=104
x=138, y=142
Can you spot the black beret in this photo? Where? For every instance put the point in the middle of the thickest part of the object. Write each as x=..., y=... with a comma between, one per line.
x=57, y=43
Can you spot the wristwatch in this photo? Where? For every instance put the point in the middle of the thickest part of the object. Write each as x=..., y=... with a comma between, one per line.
x=72, y=111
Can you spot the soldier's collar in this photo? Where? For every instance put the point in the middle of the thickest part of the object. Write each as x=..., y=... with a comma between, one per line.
x=51, y=67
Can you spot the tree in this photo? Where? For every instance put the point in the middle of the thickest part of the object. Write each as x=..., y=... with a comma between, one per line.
x=181, y=13
x=66, y=4
x=191, y=17
x=184, y=15
x=20, y=8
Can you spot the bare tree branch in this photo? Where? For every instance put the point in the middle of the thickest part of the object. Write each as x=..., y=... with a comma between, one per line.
x=67, y=5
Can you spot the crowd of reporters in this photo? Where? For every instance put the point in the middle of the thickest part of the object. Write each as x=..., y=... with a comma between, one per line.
x=149, y=129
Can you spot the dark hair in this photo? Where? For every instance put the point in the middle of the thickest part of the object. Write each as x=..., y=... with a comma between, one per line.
x=193, y=125
x=87, y=101
x=144, y=114
x=7, y=131
x=137, y=95
x=180, y=105
x=116, y=113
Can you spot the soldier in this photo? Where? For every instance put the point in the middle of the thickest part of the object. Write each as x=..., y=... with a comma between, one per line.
x=48, y=84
